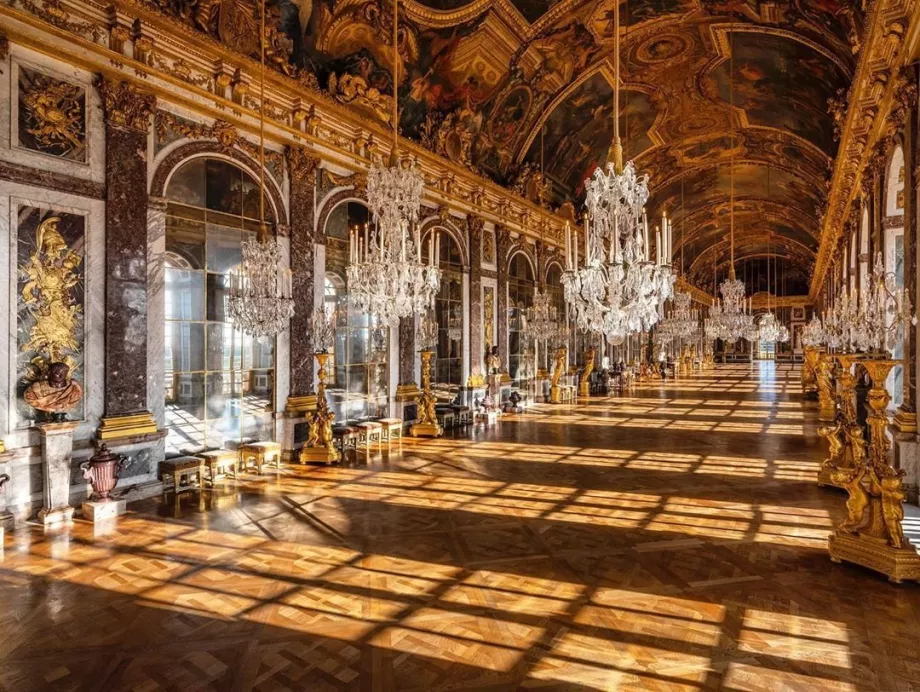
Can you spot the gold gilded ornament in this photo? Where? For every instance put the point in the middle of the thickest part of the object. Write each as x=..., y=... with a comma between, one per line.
x=427, y=424
x=584, y=385
x=51, y=275
x=54, y=114
x=319, y=445
x=555, y=390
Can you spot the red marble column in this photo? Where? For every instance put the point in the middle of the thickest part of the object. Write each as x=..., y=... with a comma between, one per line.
x=127, y=112
x=302, y=170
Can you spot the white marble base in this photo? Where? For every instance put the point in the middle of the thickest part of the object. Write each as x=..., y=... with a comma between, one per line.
x=57, y=450
x=53, y=517
x=907, y=458
x=103, y=511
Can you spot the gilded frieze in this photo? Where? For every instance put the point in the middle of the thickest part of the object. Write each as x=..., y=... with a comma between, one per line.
x=52, y=116
x=50, y=296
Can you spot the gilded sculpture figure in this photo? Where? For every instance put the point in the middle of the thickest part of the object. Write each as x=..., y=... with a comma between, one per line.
x=584, y=384
x=824, y=374
x=51, y=276
x=320, y=445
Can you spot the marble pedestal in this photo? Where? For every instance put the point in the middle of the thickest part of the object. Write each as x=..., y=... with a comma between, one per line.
x=57, y=449
x=103, y=511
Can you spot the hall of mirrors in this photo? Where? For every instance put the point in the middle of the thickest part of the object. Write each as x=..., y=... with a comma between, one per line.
x=425, y=345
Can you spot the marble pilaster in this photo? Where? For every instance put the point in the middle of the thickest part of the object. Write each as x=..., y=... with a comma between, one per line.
x=57, y=452
x=156, y=307
x=477, y=348
x=127, y=118
x=302, y=169
x=503, y=246
x=407, y=351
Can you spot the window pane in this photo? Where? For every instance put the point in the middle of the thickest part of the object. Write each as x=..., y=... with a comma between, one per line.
x=184, y=243
x=224, y=248
x=224, y=347
x=224, y=187
x=218, y=297
x=184, y=295
x=184, y=346
x=187, y=185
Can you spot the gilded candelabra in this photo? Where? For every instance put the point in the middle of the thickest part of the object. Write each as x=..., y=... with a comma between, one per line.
x=871, y=535
x=427, y=425
x=838, y=435
x=827, y=409
x=555, y=390
x=319, y=445
x=584, y=384
x=810, y=371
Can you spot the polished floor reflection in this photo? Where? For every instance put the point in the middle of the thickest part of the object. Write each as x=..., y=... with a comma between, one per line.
x=669, y=540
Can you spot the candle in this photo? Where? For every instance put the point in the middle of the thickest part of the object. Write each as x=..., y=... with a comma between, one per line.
x=658, y=248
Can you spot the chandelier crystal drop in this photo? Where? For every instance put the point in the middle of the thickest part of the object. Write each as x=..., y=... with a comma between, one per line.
x=813, y=332
x=386, y=274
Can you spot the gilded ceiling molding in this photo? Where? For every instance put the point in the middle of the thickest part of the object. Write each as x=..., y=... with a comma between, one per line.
x=697, y=294
x=763, y=300
x=302, y=165
x=871, y=98
x=340, y=135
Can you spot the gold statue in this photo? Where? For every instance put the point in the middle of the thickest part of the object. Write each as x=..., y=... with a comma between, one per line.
x=56, y=394
x=555, y=390
x=51, y=274
x=825, y=371
x=832, y=433
x=320, y=445
x=851, y=479
x=584, y=385
x=427, y=423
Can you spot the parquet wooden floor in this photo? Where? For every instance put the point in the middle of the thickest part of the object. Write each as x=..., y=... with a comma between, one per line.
x=670, y=540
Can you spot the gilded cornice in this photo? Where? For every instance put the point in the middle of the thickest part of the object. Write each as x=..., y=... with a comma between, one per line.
x=696, y=294
x=118, y=39
x=871, y=98
x=764, y=300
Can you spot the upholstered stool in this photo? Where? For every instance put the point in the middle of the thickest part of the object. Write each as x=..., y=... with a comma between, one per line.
x=221, y=461
x=368, y=431
x=174, y=471
x=445, y=416
x=392, y=428
x=463, y=415
x=345, y=436
x=261, y=453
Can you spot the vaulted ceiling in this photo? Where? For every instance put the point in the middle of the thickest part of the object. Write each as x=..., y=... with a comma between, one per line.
x=499, y=85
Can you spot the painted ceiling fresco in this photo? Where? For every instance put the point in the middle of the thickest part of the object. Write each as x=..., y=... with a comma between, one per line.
x=479, y=80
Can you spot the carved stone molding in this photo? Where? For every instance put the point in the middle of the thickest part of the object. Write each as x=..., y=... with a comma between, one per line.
x=125, y=105
x=302, y=166
x=16, y=173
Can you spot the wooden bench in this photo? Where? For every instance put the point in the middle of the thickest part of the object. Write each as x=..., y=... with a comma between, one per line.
x=463, y=415
x=391, y=428
x=262, y=454
x=221, y=461
x=368, y=431
x=343, y=437
x=445, y=416
x=177, y=469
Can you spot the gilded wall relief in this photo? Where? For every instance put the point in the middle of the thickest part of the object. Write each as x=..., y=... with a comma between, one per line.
x=52, y=116
x=488, y=314
x=50, y=299
x=488, y=247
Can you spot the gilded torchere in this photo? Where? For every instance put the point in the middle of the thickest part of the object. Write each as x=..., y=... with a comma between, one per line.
x=319, y=445
x=584, y=384
x=555, y=390
x=837, y=434
x=810, y=371
x=827, y=409
x=427, y=425
x=871, y=535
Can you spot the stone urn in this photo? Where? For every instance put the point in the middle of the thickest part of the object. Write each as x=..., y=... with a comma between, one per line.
x=102, y=471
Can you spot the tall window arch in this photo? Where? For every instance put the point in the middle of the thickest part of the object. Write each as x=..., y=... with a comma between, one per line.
x=360, y=387
x=520, y=299
x=219, y=382
x=894, y=255
x=448, y=309
x=554, y=289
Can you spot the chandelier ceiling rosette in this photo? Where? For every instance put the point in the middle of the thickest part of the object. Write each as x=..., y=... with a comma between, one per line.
x=618, y=290
x=386, y=274
x=260, y=301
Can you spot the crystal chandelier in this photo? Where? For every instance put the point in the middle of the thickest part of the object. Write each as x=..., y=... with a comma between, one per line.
x=455, y=326
x=813, y=332
x=769, y=330
x=428, y=333
x=386, y=274
x=260, y=302
x=542, y=321
x=683, y=322
x=882, y=314
x=618, y=291
x=730, y=318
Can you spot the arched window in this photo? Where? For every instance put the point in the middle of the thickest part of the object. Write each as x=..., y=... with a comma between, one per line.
x=555, y=290
x=219, y=382
x=894, y=256
x=520, y=298
x=360, y=388
x=448, y=307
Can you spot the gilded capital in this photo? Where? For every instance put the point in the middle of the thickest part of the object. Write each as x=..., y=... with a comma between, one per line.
x=301, y=166
x=125, y=105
